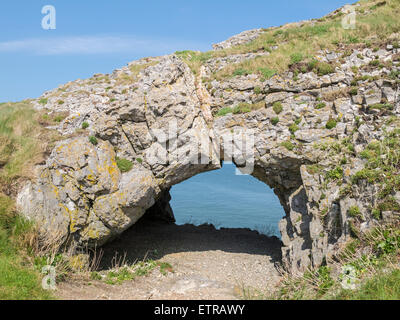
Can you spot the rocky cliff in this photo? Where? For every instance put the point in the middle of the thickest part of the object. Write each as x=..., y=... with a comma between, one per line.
x=323, y=134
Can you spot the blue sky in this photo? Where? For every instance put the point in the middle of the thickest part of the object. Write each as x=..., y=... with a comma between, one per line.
x=99, y=36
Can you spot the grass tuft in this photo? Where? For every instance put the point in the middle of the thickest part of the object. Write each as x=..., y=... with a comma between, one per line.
x=124, y=165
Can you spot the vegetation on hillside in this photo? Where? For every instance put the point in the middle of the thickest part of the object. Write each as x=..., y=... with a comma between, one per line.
x=20, y=149
x=295, y=46
x=367, y=268
x=371, y=258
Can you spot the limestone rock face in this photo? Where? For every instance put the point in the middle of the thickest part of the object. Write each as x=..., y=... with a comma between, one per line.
x=81, y=193
x=157, y=114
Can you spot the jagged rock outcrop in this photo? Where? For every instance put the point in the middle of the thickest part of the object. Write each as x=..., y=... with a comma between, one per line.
x=158, y=115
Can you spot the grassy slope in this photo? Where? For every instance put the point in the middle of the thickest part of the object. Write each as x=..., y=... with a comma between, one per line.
x=374, y=257
x=19, y=150
x=18, y=147
x=379, y=287
x=18, y=279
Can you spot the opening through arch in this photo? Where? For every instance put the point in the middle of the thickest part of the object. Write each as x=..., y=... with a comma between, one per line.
x=227, y=200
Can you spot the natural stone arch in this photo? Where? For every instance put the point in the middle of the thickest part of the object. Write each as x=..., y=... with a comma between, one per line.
x=92, y=201
x=81, y=196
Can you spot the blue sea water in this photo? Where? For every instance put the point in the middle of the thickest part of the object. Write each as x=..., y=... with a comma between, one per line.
x=227, y=200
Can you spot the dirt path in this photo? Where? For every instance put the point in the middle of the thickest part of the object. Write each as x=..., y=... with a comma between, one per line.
x=208, y=264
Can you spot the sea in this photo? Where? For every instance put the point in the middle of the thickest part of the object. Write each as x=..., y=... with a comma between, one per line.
x=227, y=200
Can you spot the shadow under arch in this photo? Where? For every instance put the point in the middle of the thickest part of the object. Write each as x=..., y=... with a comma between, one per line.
x=155, y=239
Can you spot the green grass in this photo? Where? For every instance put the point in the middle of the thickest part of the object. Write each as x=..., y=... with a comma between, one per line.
x=374, y=63
x=224, y=111
x=296, y=57
x=382, y=169
x=266, y=73
x=93, y=140
x=293, y=128
x=18, y=280
x=165, y=267
x=331, y=124
x=117, y=277
x=335, y=174
x=381, y=106
x=241, y=72
x=21, y=138
x=277, y=107
x=323, y=68
x=248, y=107
x=258, y=90
x=124, y=165
x=240, y=108
x=129, y=273
x=353, y=91
x=365, y=174
x=195, y=59
x=275, y=121
x=43, y=101
x=59, y=118
x=380, y=287
x=288, y=145
x=354, y=212
x=19, y=144
x=374, y=261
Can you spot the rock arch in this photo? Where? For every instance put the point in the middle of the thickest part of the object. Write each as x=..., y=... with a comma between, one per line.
x=81, y=197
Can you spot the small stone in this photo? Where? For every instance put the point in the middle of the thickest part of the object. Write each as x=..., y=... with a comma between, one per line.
x=397, y=197
x=331, y=56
